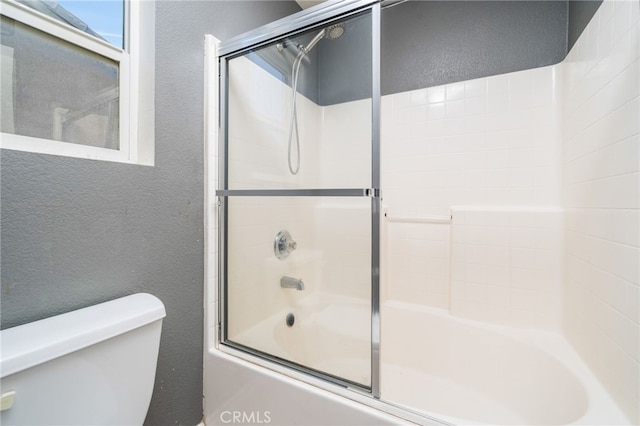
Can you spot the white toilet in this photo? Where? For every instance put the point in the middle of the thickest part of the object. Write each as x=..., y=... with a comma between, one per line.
x=93, y=366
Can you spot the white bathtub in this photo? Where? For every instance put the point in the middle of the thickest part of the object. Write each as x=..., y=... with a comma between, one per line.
x=468, y=372
x=329, y=337
x=455, y=370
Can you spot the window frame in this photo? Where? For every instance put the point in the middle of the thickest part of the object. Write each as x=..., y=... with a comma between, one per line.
x=136, y=111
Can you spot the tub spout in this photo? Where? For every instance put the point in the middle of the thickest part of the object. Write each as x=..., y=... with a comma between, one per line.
x=289, y=282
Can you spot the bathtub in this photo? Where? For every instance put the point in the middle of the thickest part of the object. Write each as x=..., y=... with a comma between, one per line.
x=330, y=337
x=468, y=372
x=435, y=368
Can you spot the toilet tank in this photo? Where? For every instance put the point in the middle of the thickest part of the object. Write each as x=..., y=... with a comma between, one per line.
x=93, y=366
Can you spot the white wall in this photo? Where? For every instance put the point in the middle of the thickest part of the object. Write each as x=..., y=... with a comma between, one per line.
x=487, y=153
x=489, y=141
x=506, y=265
x=601, y=196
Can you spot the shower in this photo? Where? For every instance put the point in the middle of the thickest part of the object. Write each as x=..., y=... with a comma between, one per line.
x=466, y=297
x=331, y=33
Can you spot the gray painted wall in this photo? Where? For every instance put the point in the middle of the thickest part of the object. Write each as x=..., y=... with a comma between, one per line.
x=345, y=64
x=78, y=232
x=429, y=43
x=437, y=42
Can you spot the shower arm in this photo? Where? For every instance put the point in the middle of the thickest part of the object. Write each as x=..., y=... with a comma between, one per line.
x=306, y=49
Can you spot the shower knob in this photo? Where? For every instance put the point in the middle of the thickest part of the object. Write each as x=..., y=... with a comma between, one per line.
x=283, y=244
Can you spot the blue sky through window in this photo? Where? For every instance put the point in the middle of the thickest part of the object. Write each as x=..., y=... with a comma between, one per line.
x=105, y=17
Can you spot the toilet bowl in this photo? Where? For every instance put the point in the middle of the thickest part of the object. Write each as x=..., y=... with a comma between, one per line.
x=93, y=366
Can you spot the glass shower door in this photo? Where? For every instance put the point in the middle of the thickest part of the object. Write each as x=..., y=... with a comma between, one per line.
x=300, y=208
x=311, y=308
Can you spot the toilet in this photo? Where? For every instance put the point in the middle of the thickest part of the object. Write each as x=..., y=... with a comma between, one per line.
x=93, y=366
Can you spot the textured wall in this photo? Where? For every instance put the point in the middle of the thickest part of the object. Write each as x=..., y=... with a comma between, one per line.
x=344, y=72
x=430, y=43
x=78, y=232
x=444, y=42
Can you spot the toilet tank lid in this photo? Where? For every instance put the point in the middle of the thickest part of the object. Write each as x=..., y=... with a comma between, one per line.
x=31, y=344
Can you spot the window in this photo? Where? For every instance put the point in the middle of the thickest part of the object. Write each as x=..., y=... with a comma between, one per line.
x=70, y=89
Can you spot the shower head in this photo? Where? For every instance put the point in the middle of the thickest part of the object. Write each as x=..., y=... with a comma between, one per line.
x=334, y=31
x=331, y=33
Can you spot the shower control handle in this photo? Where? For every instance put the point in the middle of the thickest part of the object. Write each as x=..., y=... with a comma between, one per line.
x=284, y=244
x=291, y=245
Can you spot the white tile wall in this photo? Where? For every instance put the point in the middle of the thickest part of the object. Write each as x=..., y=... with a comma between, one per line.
x=506, y=265
x=344, y=149
x=417, y=264
x=485, y=142
x=341, y=232
x=602, y=195
x=490, y=141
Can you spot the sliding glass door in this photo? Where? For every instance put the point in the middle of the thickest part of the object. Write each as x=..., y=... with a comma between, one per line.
x=300, y=199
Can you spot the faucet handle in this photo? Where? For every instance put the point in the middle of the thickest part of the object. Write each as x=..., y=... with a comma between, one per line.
x=283, y=244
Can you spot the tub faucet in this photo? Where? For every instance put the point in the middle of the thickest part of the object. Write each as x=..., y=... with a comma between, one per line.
x=289, y=282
